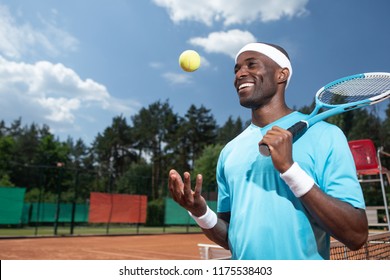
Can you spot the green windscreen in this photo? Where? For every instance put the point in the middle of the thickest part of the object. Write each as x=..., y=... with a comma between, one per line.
x=177, y=215
x=11, y=205
x=46, y=212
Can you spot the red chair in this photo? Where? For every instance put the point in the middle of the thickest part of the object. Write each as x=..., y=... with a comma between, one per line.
x=368, y=163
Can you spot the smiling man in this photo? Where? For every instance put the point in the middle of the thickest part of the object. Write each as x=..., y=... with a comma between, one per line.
x=288, y=205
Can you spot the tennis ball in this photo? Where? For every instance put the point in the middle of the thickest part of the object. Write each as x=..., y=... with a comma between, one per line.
x=189, y=60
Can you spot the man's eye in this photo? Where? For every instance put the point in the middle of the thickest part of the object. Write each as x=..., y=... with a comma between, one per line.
x=251, y=64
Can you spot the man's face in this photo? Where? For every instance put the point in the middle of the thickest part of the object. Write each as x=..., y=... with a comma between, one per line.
x=255, y=80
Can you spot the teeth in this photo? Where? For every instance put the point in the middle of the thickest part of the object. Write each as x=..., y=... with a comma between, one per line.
x=245, y=85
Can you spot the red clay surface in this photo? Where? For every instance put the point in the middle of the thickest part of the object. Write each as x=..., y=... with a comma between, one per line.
x=138, y=247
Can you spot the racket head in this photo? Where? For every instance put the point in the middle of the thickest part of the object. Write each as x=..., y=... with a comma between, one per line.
x=370, y=88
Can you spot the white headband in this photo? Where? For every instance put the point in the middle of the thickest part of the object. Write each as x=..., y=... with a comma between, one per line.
x=280, y=58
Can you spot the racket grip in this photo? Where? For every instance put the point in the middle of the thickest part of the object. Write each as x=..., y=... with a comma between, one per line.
x=297, y=130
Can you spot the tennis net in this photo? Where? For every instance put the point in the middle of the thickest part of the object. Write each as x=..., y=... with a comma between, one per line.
x=377, y=247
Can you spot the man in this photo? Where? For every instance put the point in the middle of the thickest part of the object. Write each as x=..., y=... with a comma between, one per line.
x=285, y=206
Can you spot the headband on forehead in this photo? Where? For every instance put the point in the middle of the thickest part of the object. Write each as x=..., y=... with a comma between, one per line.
x=280, y=58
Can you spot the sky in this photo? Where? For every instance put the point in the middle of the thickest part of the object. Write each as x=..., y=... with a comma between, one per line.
x=75, y=65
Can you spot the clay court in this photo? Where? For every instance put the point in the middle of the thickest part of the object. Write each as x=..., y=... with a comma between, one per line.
x=137, y=247
x=151, y=247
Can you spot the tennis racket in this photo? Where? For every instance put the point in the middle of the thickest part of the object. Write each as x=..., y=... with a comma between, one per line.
x=340, y=96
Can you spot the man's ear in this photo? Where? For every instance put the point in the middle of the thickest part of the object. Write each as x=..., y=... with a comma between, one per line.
x=284, y=73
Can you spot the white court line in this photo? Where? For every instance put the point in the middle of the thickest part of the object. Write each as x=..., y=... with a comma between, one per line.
x=143, y=252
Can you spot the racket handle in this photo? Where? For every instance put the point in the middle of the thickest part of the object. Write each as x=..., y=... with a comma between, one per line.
x=297, y=130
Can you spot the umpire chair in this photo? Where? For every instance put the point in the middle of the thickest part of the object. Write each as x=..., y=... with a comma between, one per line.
x=369, y=167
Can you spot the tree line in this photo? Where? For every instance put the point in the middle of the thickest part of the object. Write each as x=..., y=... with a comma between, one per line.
x=134, y=155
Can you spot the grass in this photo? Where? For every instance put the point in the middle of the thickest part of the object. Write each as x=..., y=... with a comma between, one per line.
x=95, y=230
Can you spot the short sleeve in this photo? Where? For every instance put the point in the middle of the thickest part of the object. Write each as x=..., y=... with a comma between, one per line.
x=338, y=174
x=223, y=188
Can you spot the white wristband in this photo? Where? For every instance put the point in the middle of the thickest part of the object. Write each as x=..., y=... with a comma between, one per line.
x=298, y=180
x=208, y=220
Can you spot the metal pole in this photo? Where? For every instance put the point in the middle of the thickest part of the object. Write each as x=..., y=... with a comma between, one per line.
x=383, y=190
x=110, y=184
x=39, y=201
x=76, y=183
x=59, y=165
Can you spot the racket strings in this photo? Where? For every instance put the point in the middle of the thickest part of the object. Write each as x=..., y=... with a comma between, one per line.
x=354, y=90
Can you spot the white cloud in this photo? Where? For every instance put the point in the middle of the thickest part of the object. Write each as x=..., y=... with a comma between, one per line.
x=204, y=63
x=232, y=12
x=228, y=42
x=54, y=95
x=178, y=78
x=21, y=39
x=156, y=65
x=60, y=108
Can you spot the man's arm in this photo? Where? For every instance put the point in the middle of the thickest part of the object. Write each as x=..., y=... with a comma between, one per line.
x=343, y=221
x=340, y=219
x=219, y=233
x=193, y=202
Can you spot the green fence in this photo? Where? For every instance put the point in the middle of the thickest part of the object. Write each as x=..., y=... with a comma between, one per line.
x=176, y=215
x=11, y=205
x=47, y=213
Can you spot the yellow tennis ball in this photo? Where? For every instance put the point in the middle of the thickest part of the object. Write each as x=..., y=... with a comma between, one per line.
x=189, y=60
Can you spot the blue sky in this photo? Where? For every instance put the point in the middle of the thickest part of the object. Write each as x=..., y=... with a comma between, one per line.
x=74, y=65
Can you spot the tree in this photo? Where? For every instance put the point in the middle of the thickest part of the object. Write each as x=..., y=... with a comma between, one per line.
x=5, y=181
x=152, y=127
x=177, y=147
x=358, y=124
x=7, y=147
x=78, y=152
x=135, y=179
x=114, y=150
x=229, y=130
x=200, y=131
x=206, y=165
x=385, y=130
x=385, y=136
x=344, y=121
x=45, y=173
x=307, y=109
x=366, y=125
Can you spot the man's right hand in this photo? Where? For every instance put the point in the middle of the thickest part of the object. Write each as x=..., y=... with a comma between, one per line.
x=183, y=194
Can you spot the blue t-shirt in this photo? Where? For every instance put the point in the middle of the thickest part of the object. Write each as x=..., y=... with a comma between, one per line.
x=267, y=220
